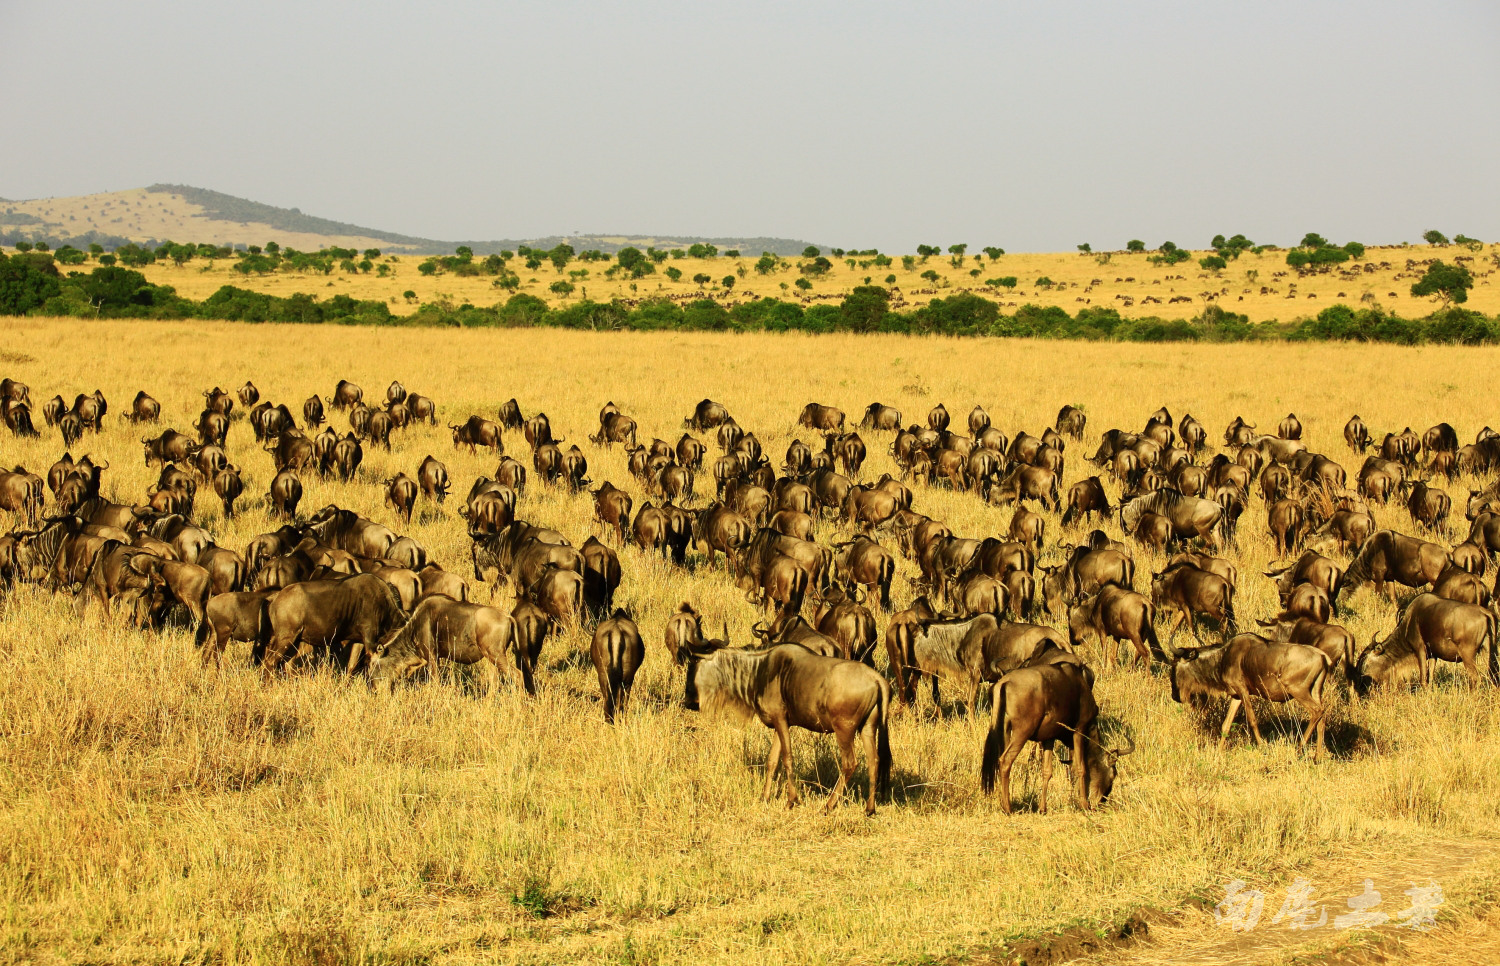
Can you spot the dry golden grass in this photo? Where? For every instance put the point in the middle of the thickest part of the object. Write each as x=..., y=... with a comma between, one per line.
x=156, y=812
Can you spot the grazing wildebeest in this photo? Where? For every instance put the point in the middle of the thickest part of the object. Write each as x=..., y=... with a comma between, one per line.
x=863, y=561
x=1431, y=628
x=972, y=650
x=614, y=428
x=826, y=419
x=847, y=623
x=560, y=593
x=706, y=415
x=617, y=652
x=361, y=610
x=520, y=552
x=450, y=630
x=1116, y=614
x=144, y=409
x=1357, y=434
x=1251, y=666
x=1084, y=572
x=228, y=487
x=1427, y=505
x=1071, y=421
x=788, y=686
x=401, y=495
x=476, y=432
x=880, y=416
x=1191, y=516
x=1284, y=518
x=1395, y=558
x=1184, y=591
x=1048, y=703
x=1331, y=639
x=22, y=494
x=235, y=616
x=1028, y=483
x=1086, y=498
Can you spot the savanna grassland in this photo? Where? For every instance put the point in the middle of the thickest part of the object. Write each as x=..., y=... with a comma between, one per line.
x=156, y=812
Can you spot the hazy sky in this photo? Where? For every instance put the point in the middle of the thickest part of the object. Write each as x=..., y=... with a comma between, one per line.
x=1033, y=126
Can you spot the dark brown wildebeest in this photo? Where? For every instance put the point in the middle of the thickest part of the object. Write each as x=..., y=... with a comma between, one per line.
x=1357, y=434
x=979, y=593
x=1310, y=568
x=475, y=432
x=684, y=631
x=1020, y=592
x=235, y=616
x=450, y=630
x=1203, y=561
x=378, y=429
x=793, y=523
x=228, y=487
x=22, y=493
x=432, y=477
x=1378, y=485
x=361, y=610
x=1086, y=498
x=720, y=528
x=1285, y=520
x=510, y=414
x=881, y=417
x=1239, y=432
x=846, y=622
x=612, y=507
x=1192, y=433
x=1153, y=531
x=212, y=427
x=144, y=409
x=401, y=495
x=1191, y=516
x=1331, y=639
x=781, y=584
x=751, y=500
x=1456, y=583
x=421, y=408
x=979, y=421
x=1116, y=614
x=573, y=467
x=1185, y=591
x=1028, y=483
x=706, y=415
x=915, y=532
x=490, y=506
x=1047, y=703
x=867, y=507
x=863, y=561
x=1431, y=628
x=312, y=410
x=248, y=394
x=521, y=552
x=848, y=449
x=217, y=401
x=1427, y=505
x=601, y=577
x=512, y=473
x=788, y=494
x=1028, y=528
x=346, y=530
x=937, y=418
x=1084, y=572
x=788, y=686
x=170, y=447
x=766, y=545
x=729, y=435
x=1071, y=421
x=673, y=482
x=1307, y=600
x=690, y=452
x=17, y=418
x=286, y=493
x=825, y=419
x=618, y=653
x=1275, y=483
x=346, y=456
x=971, y=650
x=53, y=409
x=395, y=392
x=1394, y=558
x=1440, y=439
x=1471, y=555
x=208, y=461
x=559, y=593
x=1290, y=428
x=346, y=394
x=538, y=431
x=614, y=428
x=1251, y=666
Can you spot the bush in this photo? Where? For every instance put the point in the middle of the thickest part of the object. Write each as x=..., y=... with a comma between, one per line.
x=1434, y=237
x=1008, y=281
x=26, y=282
x=674, y=273
x=1213, y=263
x=1451, y=283
x=1135, y=245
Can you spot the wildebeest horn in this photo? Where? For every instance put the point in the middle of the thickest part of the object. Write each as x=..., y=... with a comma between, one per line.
x=1127, y=750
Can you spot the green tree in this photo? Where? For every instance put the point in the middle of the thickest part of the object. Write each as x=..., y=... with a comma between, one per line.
x=1450, y=283
x=634, y=262
x=993, y=252
x=560, y=256
x=957, y=251
x=372, y=253
x=1135, y=245
x=96, y=249
x=727, y=281
x=865, y=308
x=702, y=279
x=561, y=287
x=674, y=273
x=766, y=264
x=702, y=250
x=1045, y=282
x=931, y=276
x=1435, y=237
x=890, y=280
x=811, y=251
x=1313, y=240
x=107, y=259
x=409, y=295
x=1213, y=263
x=1086, y=248
x=273, y=248
x=26, y=282
x=1009, y=281
x=464, y=252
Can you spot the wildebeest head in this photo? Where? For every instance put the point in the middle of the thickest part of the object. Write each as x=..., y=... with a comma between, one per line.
x=1103, y=765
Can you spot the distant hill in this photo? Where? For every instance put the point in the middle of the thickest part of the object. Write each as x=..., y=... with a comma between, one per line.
x=187, y=214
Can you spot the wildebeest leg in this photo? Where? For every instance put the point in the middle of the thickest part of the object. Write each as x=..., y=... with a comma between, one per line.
x=1176, y=624
x=606, y=688
x=1045, y=751
x=1250, y=717
x=847, y=763
x=1014, y=742
x=773, y=765
x=1234, y=709
x=871, y=732
x=356, y=651
x=1080, y=768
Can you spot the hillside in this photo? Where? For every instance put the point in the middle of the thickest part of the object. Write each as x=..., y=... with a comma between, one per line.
x=187, y=214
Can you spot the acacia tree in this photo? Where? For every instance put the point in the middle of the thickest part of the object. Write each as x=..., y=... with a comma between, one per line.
x=1450, y=283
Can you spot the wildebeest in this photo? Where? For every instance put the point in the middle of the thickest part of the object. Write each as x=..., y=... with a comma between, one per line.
x=1431, y=628
x=1356, y=434
x=1184, y=591
x=1251, y=666
x=1290, y=428
x=228, y=487
x=560, y=593
x=1028, y=483
x=618, y=653
x=1427, y=505
x=476, y=432
x=235, y=616
x=22, y=494
x=1048, y=703
x=1191, y=516
x=1331, y=639
x=1285, y=519
x=520, y=552
x=788, y=686
x=706, y=415
x=972, y=650
x=863, y=561
x=881, y=417
x=361, y=610
x=401, y=495
x=823, y=418
x=1086, y=498
x=1071, y=421
x=286, y=493
x=450, y=630
x=1116, y=614
x=1393, y=557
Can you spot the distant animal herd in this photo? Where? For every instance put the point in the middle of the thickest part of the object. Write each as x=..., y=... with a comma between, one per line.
x=333, y=585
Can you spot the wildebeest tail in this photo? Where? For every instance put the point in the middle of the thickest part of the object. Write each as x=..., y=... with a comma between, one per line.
x=1231, y=624
x=1149, y=633
x=200, y=636
x=994, y=742
x=1494, y=634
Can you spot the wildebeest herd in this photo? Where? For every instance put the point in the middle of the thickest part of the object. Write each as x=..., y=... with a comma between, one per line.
x=335, y=586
